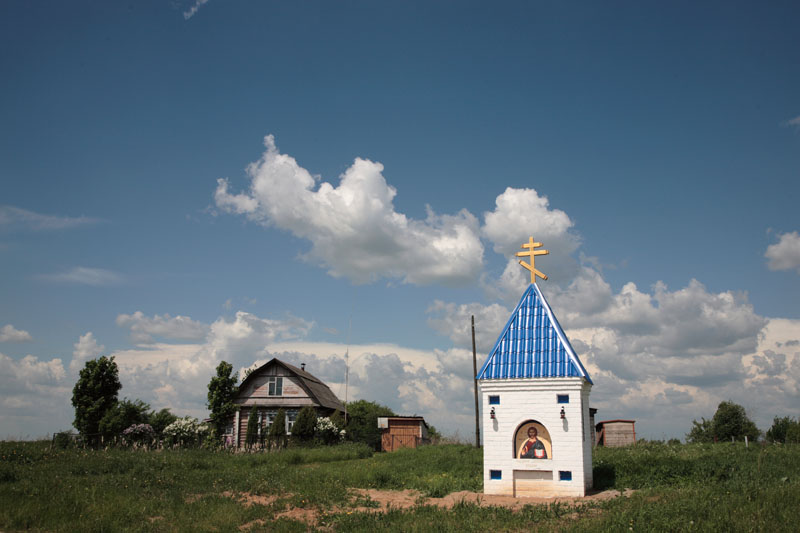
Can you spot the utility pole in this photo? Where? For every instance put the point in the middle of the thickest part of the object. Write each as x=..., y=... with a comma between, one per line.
x=475, y=383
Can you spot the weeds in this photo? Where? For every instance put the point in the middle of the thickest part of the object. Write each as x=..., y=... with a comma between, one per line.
x=679, y=488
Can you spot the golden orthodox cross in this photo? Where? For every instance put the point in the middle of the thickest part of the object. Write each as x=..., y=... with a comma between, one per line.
x=530, y=245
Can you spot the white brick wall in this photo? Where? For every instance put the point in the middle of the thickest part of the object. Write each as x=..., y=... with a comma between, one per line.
x=522, y=400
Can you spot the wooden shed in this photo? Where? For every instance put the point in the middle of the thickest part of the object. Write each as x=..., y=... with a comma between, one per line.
x=402, y=432
x=616, y=433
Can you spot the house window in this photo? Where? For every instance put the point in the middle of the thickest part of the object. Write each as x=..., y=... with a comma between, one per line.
x=495, y=474
x=275, y=386
x=565, y=475
x=270, y=419
x=291, y=416
x=563, y=398
x=494, y=400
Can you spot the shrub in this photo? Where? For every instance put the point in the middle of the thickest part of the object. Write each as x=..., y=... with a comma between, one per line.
x=327, y=432
x=304, y=426
x=251, y=437
x=185, y=431
x=63, y=440
x=138, y=435
x=277, y=431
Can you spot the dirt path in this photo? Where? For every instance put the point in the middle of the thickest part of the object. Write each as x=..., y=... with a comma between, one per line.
x=381, y=501
x=403, y=499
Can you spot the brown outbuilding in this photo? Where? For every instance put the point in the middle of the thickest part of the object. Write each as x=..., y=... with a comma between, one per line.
x=615, y=433
x=402, y=432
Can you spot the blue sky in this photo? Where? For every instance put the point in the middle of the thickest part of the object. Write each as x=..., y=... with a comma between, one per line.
x=653, y=147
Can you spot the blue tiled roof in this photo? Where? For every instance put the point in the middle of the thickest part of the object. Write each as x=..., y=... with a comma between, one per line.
x=532, y=345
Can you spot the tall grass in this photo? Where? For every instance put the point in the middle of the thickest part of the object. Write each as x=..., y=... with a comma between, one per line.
x=679, y=488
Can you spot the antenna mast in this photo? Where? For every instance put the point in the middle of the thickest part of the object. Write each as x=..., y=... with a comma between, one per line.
x=347, y=367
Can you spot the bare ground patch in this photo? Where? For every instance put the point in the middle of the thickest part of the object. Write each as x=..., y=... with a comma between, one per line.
x=403, y=499
x=381, y=501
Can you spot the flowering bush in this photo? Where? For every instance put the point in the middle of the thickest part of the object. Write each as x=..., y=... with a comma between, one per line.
x=138, y=435
x=327, y=431
x=185, y=431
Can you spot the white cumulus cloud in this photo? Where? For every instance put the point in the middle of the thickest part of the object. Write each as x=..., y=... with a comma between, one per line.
x=84, y=350
x=9, y=333
x=784, y=254
x=353, y=227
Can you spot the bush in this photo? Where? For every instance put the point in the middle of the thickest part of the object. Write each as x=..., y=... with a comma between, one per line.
x=63, y=440
x=139, y=435
x=327, y=432
x=305, y=425
x=252, y=434
x=184, y=432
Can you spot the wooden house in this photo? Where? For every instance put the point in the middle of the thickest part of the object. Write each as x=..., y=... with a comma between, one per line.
x=277, y=385
x=402, y=432
x=615, y=433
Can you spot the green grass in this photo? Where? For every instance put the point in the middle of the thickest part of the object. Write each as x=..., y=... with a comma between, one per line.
x=719, y=487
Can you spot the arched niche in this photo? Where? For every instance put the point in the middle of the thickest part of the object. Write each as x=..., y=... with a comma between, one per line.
x=532, y=441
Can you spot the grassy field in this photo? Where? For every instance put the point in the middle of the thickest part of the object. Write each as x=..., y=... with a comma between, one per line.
x=719, y=487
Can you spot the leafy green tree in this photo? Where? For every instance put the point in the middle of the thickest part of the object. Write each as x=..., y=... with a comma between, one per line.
x=784, y=430
x=338, y=419
x=434, y=435
x=700, y=432
x=93, y=395
x=277, y=431
x=793, y=433
x=222, y=391
x=121, y=416
x=304, y=425
x=362, y=422
x=731, y=420
x=160, y=420
x=251, y=437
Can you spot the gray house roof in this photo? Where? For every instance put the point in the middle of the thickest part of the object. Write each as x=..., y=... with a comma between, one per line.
x=314, y=387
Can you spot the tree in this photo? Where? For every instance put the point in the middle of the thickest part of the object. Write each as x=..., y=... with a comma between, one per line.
x=730, y=420
x=793, y=433
x=160, y=420
x=251, y=437
x=304, y=425
x=121, y=416
x=362, y=422
x=701, y=432
x=277, y=431
x=94, y=394
x=434, y=435
x=784, y=430
x=222, y=392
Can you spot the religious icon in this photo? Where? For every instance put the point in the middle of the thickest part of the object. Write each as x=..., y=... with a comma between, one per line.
x=532, y=441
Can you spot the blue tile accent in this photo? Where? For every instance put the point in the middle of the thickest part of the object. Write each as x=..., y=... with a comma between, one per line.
x=563, y=398
x=494, y=400
x=532, y=344
x=495, y=474
x=565, y=475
